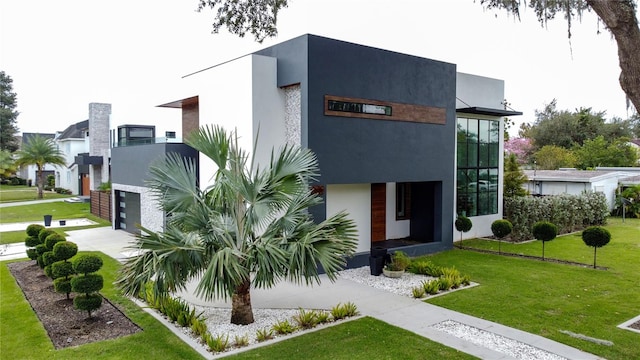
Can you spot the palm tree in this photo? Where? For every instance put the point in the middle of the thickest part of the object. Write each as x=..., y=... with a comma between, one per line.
x=7, y=164
x=251, y=227
x=40, y=151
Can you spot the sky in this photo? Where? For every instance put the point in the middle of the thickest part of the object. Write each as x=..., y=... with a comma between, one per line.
x=64, y=55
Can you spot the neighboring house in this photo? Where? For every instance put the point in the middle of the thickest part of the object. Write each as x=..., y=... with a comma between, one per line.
x=386, y=128
x=574, y=182
x=30, y=172
x=86, y=146
x=635, y=143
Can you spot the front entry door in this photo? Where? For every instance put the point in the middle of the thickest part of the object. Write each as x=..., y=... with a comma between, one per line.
x=378, y=212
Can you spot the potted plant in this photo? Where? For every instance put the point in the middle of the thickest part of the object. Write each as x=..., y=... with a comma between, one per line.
x=398, y=264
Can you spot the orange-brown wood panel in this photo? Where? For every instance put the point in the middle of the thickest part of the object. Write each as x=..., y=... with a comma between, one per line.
x=85, y=184
x=378, y=212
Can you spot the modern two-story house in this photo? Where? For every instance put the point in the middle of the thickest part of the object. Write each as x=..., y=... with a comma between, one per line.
x=404, y=143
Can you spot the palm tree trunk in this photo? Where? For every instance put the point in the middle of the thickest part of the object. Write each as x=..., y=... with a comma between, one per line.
x=40, y=181
x=241, y=311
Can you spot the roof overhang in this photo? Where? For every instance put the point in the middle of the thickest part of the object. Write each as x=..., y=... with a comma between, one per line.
x=488, y=111
x=178, y=104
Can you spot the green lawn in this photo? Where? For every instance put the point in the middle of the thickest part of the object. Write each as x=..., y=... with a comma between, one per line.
x=545, y=298
x=23, y=337
x=35, y=212
x=10, y=193
x=365, y=339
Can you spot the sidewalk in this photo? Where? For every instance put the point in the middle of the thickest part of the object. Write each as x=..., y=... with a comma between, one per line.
x=404, y=312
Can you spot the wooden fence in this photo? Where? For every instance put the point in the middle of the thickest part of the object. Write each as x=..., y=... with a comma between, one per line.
x=101, y=204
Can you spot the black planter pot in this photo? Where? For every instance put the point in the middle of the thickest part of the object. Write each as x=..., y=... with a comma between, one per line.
x=376, y=264
x=47, y=220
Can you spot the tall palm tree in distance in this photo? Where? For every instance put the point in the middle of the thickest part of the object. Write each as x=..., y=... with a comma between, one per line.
x=250, y=228
x=40, y=151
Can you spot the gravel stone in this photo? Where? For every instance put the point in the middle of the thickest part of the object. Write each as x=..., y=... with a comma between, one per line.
x=495, y=342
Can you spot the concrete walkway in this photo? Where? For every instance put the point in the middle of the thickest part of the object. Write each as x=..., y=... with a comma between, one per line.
x=404, y=312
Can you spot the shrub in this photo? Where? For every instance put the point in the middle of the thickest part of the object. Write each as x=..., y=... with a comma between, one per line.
x=399, y=261
x=48, y=258
x=218, y=343
x=87, y=283
x=32, y=241
x=199, y=327
x=264, y=335
x=34, y=229
x=65, y=250
x=445, y=283
x=545, y=231
x=52, y=240
x=463, y=224
x=596, y=236
x=501, y=228
x=62, y=269
x=87, y=264
x=342, y=311
x=241, y=341
x=431, y=287
x=32, y=254
x=306, y=319
x=62, y=285
x=87, y=302
x=418, y=292
x=41, y=249
x=283, y=327
x=42, y=235
x=323, y=317
x=48, y=271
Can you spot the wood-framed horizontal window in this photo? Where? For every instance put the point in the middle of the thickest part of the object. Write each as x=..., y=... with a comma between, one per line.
x=383, y=110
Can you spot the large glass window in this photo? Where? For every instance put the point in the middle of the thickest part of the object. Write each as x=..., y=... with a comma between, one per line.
x=477, y=162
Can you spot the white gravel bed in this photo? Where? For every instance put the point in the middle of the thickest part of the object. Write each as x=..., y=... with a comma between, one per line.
x=499, y=343
x=401, y=286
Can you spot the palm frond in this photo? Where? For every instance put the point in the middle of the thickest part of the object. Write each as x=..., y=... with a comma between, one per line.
x=213, y=142
x=224, y=273
x=173, y=183
x=171, y=259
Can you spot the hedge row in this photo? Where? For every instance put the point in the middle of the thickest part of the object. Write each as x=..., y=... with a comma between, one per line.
x=568, y=212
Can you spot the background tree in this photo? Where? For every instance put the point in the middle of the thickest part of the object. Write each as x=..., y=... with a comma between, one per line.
x=600, y=152
x=251, y=227
x=8, y=114
x=514, y=178
x=544, y=231
x=596, y=236
x=521, y=147
x=259, y=18
x=40, y=151
x=7, y=164
x=552, y=157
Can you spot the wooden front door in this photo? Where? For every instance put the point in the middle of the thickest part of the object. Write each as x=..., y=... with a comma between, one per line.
x=378, y=212
x=85, y=184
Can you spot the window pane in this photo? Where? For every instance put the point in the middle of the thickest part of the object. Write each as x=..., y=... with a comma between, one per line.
x=472, y=131
x=483, y=156
x=495, y=132
x=472, y=155
x=462, y=154
x=494, y=155
x=462, y=129
x=483, y=203
x=484, y=130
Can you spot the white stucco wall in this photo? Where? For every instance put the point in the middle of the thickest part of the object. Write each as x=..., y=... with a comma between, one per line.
x=395, y=229
x=356, y=200
x=480, y=91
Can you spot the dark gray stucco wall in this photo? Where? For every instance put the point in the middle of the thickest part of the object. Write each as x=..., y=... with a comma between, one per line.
x=130, y=164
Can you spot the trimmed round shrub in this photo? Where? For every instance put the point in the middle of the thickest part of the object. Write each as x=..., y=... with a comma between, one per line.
x=48, y=258
x=544, y=230
x=87, y=283
x=596, y=236
x=62, y=285
x=463, y=224
x=32, y=241
x=41, y=249
x=42, y=235
x=85, y=264
x=53, y=239
x=34, y=229
x=87, y=303
x=65, y=250
x=48, y=271
x=32, y=254
x=501, y=228
x=62, y=269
